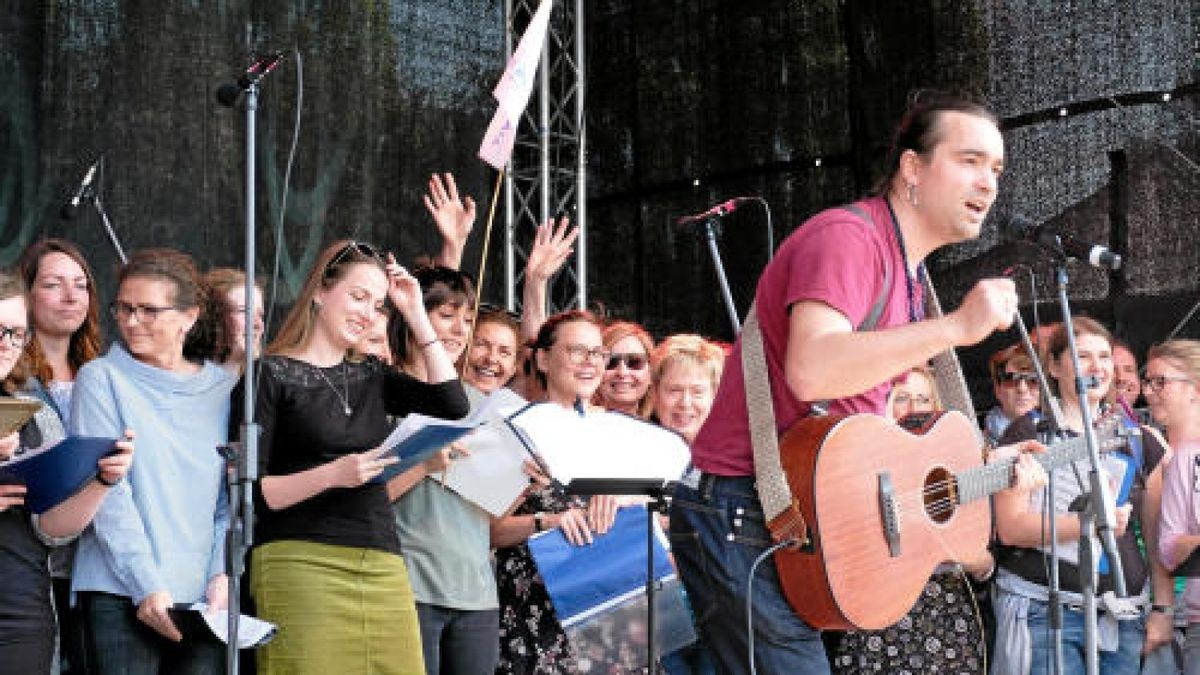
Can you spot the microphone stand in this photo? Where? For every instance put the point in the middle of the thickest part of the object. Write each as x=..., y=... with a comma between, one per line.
x=1098, y=513
x=242, y=456
x=1052, y=431
x=712, y=231
x=99, y=204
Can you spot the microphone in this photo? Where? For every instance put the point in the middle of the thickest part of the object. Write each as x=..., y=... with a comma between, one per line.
x=1046, y=236
x=84, y=192
x=228, y=93
x=719, y=211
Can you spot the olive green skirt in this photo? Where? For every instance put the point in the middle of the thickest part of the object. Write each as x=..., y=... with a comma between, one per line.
x=339, y=610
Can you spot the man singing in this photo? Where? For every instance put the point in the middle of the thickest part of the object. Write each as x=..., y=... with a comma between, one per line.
x=820, y=288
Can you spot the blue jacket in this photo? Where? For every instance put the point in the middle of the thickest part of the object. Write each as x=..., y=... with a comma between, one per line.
x=163, y=527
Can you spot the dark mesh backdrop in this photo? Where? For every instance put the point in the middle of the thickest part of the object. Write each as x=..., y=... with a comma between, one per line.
x=689, y=102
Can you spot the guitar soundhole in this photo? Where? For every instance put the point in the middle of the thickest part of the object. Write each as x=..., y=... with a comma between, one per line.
x=939, y=495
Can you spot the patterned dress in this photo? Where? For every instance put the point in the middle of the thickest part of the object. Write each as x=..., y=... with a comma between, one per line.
x=941, y=634
x=531, y=639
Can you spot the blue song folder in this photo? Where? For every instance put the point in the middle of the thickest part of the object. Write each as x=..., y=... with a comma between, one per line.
x=586, y=580
x=55, y=473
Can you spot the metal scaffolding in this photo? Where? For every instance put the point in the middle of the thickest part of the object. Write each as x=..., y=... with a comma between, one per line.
x=547, y=174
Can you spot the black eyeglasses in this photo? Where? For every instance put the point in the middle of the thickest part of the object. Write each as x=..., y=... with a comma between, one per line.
x=1007, y=379
x=361, y=247
x=145, y=314
x=631, y=361
x=17, y=337
x=1158, y=382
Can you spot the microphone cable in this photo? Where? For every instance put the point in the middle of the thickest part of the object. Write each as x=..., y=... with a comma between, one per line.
x=750, y=596
x=278, y=231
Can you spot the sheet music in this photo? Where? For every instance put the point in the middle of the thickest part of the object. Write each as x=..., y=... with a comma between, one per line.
x=601, y=444
x=491, y=476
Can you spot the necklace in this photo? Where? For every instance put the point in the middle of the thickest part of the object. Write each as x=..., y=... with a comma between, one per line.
x=916, y=304
x=344, y=399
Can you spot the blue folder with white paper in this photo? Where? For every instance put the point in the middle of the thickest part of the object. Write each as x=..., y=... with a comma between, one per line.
x=53, y=474
x=586, y=580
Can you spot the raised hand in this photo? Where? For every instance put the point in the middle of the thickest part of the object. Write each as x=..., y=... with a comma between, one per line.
x=404, y=290
x=454, y=217
x=552, y=245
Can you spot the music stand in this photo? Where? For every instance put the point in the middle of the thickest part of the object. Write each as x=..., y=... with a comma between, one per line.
x=656, y=489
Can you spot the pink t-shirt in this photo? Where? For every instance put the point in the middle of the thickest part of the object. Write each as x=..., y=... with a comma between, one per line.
x=836, y=258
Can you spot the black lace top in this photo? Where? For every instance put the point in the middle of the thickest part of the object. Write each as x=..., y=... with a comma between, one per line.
x=301, y=409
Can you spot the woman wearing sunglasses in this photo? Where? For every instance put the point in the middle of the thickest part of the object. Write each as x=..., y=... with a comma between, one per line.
x=327, y=567
x=1016, y=388
x=1021, y=584
x=626, y=382
x=1170, y=387
x=27, y=620
x=159, y=537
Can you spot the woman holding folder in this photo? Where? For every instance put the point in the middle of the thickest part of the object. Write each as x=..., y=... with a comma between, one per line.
x=159, y=537
x=27, y=617
x=570, y=356
x=327, y=567
x=451, y=576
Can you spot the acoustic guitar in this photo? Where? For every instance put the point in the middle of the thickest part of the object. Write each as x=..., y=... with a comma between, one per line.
x=885, y=507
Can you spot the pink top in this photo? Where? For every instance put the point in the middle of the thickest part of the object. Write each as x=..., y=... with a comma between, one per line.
x=1180, y=502
x=835, y=258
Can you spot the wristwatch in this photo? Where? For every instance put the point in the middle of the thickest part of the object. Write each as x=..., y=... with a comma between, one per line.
x=539, y=522
x=1164, y=609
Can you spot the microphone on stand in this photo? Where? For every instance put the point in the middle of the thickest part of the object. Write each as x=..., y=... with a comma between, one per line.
x=84, y=192
x=719, y=211
x=1047, y=237
x=228, y=93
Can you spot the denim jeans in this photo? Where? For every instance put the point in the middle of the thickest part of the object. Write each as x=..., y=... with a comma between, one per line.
x=459, y=642
x=117, y=642
x=717, y=531
x=1125, y=661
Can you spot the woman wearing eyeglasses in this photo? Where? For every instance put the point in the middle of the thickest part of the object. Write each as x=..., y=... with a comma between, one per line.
x=1170, y=387
x=1020, y=598
x=914, y=393
x=570, y=356
x=159, y=537
x=64, y=313
x=327, y=566
x=27, y=617
x=626, y=384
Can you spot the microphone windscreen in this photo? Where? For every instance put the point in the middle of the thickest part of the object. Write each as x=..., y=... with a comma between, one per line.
x=228, y=93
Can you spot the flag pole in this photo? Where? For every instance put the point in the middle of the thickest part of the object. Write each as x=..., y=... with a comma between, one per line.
x=487, y=240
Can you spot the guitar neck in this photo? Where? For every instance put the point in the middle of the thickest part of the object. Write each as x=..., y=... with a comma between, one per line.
x=986, y=480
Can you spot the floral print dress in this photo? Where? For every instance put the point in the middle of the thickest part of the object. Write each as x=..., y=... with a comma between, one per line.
x=941, y=634
x=531, y=639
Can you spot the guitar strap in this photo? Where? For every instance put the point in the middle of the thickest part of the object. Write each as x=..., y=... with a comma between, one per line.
x=780, y=508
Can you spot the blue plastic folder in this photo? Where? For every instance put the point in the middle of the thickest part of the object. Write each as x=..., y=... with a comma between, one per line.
x=54, y=474
x=420, y=446
x=586, y=580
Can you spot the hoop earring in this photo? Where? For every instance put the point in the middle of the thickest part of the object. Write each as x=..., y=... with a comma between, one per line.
x=912, y=194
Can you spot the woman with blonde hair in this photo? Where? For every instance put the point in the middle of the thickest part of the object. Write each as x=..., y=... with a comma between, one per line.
x=325, y=525
x=685, y=371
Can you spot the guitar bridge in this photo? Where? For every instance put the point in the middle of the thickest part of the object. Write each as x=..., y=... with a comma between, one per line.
x=889, y=514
